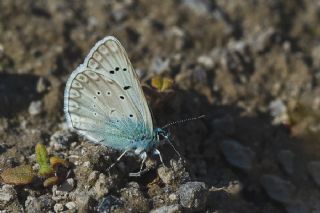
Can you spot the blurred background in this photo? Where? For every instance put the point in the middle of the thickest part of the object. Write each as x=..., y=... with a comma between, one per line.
x=252, y=67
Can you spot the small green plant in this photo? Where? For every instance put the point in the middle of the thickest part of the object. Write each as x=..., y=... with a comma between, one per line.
x=45, y=169
x=23, y=175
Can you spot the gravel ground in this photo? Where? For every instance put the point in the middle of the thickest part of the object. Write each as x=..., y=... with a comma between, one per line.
x=252, y=67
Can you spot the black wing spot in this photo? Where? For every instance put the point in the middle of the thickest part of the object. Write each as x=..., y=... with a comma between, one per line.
x=117, y=68
x=122, y=97
x=94, y=97
x=131, y=115
x=95, y=114
x=94, y=105
x=98, y=93
x=126, y=87
x=108, y=93
x=124, y=69
x=111, y=72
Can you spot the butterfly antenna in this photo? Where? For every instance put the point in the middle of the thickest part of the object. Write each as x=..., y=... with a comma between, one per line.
x=182, y=121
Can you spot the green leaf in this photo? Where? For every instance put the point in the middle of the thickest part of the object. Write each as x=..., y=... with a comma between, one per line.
x=43, y=161
x=20, y=175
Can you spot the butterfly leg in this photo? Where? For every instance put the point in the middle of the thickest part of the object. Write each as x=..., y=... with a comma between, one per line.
x=169, y=142
x=157, y=152
x=118, y=159
x=144, y=156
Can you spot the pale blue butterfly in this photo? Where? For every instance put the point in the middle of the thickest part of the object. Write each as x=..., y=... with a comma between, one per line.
x=104, y=102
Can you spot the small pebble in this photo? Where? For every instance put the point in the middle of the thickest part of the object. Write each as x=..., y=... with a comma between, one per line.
x=58, y=207
x=263, y=40
x=61, y=139
x=299, y=207
x=83, y=201
x=277, y=188
x=199, y=7
x=7, y=194
x=180, y=170
x=35, y=107
x=42, y=85
x=73, y=145
x=234, y=187
x=206, y=61
x=314, y=171
x=279, y=112
x=286, y=160
x=109, y=202
x=173, y=197
x=40, y=204
x=166, y=174
x=167, y=209
x=238, y=60
x=86, y=164
x=119, y=15
x=237, y=155
x=134, y=198
x=58, y=195
x=67, y=185
x=71, y=205
x=160, y=65
x=101, y=187
x=193, y=195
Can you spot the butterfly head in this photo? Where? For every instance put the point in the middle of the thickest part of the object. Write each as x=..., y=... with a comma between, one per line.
x=164, y=135
x=161, y=134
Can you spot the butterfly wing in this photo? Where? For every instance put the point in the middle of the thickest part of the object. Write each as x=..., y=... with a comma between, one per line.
x=104, y=100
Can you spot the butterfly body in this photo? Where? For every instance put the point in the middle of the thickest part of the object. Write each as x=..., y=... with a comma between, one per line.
x=132, y=137
x=104, y=102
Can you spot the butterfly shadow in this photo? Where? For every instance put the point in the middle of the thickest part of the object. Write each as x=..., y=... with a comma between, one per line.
x=202, y=142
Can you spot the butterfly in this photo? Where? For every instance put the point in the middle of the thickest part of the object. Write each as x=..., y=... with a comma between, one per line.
x=104, y=101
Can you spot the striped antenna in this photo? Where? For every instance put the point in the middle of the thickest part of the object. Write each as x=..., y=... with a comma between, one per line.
x=182, y=121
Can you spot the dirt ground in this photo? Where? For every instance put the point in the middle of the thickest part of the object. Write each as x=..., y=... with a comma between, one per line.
x=251, y=67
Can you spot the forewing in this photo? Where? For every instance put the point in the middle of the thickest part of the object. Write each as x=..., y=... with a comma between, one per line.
x=109, y=57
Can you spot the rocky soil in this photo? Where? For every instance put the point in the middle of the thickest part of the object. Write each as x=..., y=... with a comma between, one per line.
x=252, y=67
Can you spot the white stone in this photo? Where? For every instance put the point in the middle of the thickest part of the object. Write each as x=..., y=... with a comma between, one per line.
x=6, y=197
x=7, y=193
x=173, y=197
x=66, y=186
x=205, y=61
x=35, y=107
x=58, y=207
x=86, y=164
x=71, y=205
